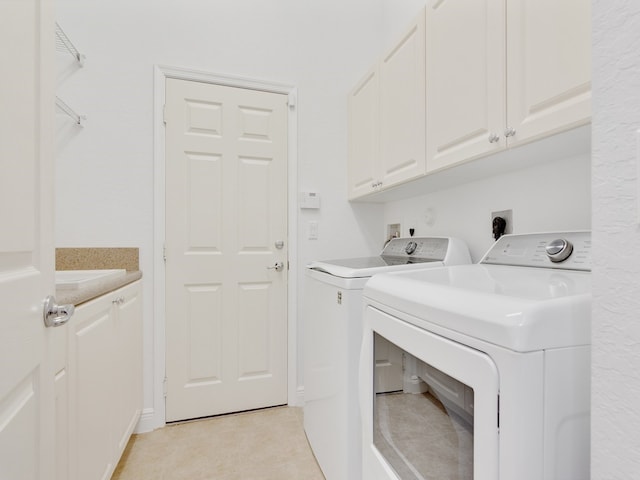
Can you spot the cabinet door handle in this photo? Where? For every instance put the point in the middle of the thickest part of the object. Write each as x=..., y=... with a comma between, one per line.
x=509, y=132
x=494, y=137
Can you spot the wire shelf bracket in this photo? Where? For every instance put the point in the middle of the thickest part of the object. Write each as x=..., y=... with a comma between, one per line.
x=66, y=109
x=63, y=44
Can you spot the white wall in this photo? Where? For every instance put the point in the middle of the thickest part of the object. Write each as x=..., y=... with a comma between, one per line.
x=549, y=197
x=105, y=170
x=616, y=323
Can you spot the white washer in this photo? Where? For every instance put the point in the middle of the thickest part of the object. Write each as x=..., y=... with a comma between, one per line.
x=503, y=350
x=332, y=339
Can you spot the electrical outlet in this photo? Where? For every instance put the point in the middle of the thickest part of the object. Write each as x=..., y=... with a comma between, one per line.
x=507, y=215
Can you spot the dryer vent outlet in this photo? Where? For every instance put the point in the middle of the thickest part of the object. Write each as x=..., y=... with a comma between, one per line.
x=501, y=223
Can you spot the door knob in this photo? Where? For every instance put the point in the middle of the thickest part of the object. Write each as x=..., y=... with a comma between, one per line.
x=55, y=315
x=278, y=267
x=494, y=137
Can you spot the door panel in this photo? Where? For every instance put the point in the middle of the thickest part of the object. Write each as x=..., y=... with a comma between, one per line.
x=402, y=108
x=468, y=365
x=226, y=209
x=205, y=202
x=465, y=80
x=204, y=307
x=27, y=401
x=364, y=158
x=548, y=67
x=92, y=365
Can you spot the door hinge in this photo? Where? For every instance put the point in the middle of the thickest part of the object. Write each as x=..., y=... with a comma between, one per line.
x=164, y=114
x=164, y=387
x=339, y=299
x=498, y=415
x=291, y=101
x=164, y=253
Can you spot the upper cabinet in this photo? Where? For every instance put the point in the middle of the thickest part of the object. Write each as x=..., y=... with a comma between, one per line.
x=364, y=158
x=465, y=80
x=548, y=66
x=402, y=107
x=387, y=117
x=468, y=79
x=499, y=77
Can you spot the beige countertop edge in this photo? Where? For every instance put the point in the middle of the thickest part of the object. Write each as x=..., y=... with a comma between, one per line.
x=82, y=295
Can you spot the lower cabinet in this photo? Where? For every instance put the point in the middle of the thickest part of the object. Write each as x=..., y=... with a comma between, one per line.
x=104, y=381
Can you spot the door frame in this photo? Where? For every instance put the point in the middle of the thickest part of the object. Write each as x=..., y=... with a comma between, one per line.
x=154, y=417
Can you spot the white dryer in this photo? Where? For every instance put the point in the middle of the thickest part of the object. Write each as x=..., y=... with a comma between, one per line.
x=503, y=349
x=332, y=340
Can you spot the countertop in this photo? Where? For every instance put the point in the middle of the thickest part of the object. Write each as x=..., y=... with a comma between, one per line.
x=84, y=294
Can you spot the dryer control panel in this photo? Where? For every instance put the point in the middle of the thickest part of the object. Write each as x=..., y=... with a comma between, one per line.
x=561, y=250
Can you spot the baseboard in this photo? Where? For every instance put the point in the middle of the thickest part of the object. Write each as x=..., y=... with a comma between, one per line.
x=148, y=421
x=299, y=400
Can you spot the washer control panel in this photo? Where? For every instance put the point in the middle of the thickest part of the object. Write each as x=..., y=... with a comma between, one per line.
x=563, y=250
x=421, y=247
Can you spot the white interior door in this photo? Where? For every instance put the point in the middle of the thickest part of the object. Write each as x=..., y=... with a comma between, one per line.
x=26, y=245
x=226, y=227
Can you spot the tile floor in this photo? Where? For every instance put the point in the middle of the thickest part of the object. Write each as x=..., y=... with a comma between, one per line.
x=421, y=438
x=267, y=444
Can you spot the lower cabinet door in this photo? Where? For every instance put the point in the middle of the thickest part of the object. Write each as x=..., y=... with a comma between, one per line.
x=90, y=389
x=105, y=381
x=129, y=365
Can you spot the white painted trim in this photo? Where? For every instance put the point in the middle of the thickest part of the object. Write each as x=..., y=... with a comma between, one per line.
x=300, y=397
x=155, y=417
x=147, y=422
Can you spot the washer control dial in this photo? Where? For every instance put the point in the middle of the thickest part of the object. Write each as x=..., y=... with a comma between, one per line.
x=410, y=248
x=558, y=250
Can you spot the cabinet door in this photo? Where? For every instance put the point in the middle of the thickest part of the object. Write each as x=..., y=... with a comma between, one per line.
x=91, y=388
x=128, y=355
x=548, y=67
x=363, y=135
x=465, y=80
x=402, y=107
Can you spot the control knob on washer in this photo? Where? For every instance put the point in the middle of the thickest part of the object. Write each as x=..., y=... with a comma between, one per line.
x=410, y=248
x=558, y=250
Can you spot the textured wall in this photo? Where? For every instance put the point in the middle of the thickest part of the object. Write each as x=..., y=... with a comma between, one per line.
x=616, y=312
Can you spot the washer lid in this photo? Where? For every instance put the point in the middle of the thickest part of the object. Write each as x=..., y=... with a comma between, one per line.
x=400, y=254
x=520, y=308
x=367, y=266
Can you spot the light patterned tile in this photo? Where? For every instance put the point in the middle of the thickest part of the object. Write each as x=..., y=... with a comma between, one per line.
x=263, y=445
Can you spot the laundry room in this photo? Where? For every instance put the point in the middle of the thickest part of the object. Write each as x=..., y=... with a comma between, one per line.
x=315, y=79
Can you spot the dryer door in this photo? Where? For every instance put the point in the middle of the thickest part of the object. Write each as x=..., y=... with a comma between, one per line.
x=444, y=424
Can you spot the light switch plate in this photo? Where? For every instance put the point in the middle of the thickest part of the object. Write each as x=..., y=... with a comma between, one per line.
x=313, y=230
